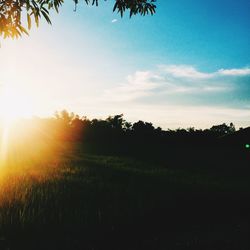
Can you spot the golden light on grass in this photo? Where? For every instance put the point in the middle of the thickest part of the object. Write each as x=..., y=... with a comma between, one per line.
x=28, y=161
x=29, y=154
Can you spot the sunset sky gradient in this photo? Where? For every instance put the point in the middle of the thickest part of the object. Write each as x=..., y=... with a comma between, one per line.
x=188, y=65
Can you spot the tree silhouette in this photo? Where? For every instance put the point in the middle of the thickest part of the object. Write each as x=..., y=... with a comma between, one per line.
x=13, y=12
x=65, y=116
x=143, y=128
x=116, y=122
x=223, y=129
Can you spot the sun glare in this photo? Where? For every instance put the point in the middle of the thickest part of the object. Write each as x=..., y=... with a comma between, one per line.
x=13, y=105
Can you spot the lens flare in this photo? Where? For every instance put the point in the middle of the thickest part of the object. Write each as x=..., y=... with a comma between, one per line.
x=13, y=105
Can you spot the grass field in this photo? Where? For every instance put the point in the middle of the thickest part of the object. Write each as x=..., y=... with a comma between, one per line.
x=71, y=199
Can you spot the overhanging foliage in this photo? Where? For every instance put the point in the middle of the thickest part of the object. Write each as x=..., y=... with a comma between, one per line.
x=14, y=12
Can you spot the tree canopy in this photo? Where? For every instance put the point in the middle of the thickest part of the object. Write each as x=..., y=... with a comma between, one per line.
x=14, y=12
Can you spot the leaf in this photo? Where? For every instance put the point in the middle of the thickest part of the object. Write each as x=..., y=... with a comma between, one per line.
x=22, y=30
x=29, y=21
x=46, y=16
x=36, y=19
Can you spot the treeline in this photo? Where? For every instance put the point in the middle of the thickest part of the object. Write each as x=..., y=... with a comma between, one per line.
x=116, y=132
x=116, y=136
x=73, y=127
x=69, y=126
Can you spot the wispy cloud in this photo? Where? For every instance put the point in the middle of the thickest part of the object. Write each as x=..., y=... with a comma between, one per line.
x=138, y=85
x=235, y=72
x=114, y=21
x=172, y=81
x=190, y=72
x=185, y=71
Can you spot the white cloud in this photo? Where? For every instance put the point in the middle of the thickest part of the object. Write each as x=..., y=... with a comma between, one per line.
x=185, y=71
x=235, y=72
x=190, y=72
x=138, y=85
x=167, y=80
x=114, y=21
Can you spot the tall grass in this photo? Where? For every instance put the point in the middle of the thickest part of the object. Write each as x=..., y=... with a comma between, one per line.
x=55, y=196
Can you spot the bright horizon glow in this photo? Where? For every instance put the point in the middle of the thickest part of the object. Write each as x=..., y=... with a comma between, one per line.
x=13, y=105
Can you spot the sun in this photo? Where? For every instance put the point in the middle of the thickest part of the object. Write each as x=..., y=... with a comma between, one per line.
x=13, y=105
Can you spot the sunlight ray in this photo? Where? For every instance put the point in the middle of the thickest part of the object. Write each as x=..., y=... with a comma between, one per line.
x=4, y=143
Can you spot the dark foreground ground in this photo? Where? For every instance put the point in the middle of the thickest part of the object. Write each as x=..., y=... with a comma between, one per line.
x=184, y=200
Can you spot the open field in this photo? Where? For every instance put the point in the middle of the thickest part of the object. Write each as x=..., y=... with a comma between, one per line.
x=124, y=125
x=76, y=200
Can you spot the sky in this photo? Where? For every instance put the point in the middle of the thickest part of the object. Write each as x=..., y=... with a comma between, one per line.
x=186, y=66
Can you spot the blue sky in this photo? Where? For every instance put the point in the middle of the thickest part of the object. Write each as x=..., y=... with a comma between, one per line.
x=188, y=65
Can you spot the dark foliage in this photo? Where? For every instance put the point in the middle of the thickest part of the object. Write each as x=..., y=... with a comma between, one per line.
x=114, y=135
x=13, y=12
